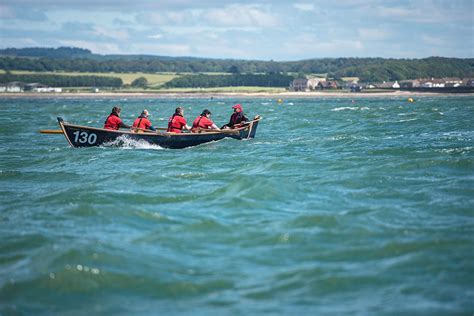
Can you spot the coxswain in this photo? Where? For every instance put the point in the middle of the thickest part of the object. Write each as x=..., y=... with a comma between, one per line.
x=114, y=121
x=236, y=118
x=177, y=122
x=203, y=121
x=142, y=122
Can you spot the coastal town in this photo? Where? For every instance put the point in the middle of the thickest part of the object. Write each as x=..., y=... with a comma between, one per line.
x=313, y=84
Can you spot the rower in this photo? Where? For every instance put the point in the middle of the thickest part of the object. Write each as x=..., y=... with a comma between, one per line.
x=142, y=122
x=177, y=122
x=114, y=121
x=203, y=121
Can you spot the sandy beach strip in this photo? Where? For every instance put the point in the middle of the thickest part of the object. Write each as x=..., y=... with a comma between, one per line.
x=208, y=95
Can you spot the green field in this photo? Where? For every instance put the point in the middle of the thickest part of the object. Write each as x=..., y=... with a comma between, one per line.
x=224, y=89
x=157, y=80
x=154, y=79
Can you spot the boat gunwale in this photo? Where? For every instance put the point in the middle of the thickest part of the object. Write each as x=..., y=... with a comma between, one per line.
x=165, y=134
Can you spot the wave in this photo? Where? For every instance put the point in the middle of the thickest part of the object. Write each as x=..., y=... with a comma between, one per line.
x=128, y=143
x=461, y=150
x=352, y=108
x=407, y=120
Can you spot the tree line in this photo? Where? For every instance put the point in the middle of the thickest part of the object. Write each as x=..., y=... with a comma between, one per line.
x=64, y=81
x=367, y=69
x=60, y=52
x=234, y=80
x=401, y=69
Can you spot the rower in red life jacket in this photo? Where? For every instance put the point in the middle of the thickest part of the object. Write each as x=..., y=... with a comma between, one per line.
x=177, y=122
x=236, y=118
x=203, y=121
x=114, y=121
x=143, y=122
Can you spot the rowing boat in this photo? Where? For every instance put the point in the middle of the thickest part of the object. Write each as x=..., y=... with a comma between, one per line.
x=85, y=136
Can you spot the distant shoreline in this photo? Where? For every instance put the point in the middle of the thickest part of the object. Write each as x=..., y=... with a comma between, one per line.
x=282, y=95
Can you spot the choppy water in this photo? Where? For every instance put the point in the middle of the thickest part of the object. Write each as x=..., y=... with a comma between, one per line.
x=336, y=208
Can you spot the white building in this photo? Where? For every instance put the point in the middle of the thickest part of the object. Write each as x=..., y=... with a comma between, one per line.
x=306, y=84
x=433, y=83
x=48, y=90
x=11, y=87
x=387, y=85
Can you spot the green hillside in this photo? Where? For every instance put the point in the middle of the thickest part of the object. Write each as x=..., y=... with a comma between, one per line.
x=367, y=69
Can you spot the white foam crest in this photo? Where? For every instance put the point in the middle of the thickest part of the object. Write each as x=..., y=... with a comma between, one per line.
x=352, y=108
x=462, y=150
x=407, y=120
x=128, y=143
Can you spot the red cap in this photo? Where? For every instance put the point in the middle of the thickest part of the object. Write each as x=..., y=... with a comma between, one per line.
x=237, y=106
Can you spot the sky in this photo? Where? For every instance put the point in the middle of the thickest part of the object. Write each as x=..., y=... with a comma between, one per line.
x=263, y=30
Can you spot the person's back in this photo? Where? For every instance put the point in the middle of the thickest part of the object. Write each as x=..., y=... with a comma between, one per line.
x=114, y=121
x=142, y=122
x=177, y=122
x=203, y=121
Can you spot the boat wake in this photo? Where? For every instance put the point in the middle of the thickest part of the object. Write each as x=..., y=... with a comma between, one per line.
x=128, y=143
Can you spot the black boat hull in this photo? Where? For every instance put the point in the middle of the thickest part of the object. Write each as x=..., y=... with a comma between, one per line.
x=84, y=136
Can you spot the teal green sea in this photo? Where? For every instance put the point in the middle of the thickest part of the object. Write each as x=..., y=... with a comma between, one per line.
x=337, y=207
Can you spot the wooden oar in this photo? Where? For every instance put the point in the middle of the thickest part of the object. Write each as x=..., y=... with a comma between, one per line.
x=51, y=131
x=217, y=131
x=149, y=130
x=58, y=131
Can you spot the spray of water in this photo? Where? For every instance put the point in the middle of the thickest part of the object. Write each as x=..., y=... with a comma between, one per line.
x=128, y=143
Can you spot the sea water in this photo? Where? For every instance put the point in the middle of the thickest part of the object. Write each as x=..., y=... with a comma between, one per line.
x=339, y=206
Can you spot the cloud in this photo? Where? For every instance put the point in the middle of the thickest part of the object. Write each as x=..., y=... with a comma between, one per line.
x=431, y=40
x=156, y=36
x=396, y=12
x=163, y=49
x=165, y=18
x=240, y=16
x=433, y=12
x=370, y=34
x=77, y=27
x=308, y=46
x=235, y=15
x=80, y=30
x=24, y=13
x=304, y=6
x=111, y=33
x=6, y=12
x=96, y=47
x=263, y=29
x=20, y=42
x=120, y=5
x=123, y=22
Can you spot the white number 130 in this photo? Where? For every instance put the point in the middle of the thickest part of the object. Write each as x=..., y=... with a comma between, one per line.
x=84, y=137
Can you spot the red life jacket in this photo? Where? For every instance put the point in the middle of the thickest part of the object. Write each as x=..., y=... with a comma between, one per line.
x=176, y=123
x=112, y=122
x=142, y=122
x=201, y=122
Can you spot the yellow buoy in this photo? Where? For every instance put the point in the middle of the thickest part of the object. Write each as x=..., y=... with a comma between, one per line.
x=280, y=101
x=411, y=100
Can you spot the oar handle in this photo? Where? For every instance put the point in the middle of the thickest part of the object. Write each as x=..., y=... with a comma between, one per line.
x=214, y=131
x=149, y=130
x=51, y=131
